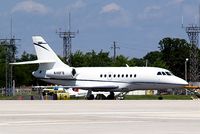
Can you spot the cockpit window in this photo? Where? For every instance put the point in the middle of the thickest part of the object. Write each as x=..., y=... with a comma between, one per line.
x=159, y=73
x=168, y=73
x=163, y=73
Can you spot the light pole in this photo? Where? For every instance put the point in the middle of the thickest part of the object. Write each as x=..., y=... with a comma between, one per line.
x=186, y=61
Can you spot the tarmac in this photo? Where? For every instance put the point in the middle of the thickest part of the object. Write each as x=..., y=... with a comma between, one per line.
x=107, y=116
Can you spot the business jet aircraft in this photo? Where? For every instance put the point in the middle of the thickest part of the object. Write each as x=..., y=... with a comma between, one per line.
x=111, y=79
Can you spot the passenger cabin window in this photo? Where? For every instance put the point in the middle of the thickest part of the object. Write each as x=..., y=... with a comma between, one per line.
x=119, y=75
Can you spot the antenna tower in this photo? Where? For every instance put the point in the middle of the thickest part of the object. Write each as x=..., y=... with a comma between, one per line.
x=67, y=42
x=193, y=34
x=10, y=47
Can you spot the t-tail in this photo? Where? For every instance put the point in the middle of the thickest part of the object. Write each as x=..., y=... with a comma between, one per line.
x=49, y=62
x=46, y=56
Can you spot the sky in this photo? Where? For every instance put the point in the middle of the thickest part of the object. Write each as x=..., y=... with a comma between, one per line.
x=137, y=26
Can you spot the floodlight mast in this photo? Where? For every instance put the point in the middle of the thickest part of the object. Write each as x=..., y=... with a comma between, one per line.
x=67, y=42
x=193, y=34
x=10, y=48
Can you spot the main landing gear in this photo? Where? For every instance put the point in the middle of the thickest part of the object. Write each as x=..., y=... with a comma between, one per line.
x=111, y=96
x=90, y=96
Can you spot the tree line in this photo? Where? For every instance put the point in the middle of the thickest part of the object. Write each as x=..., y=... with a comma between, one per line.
x=171, y=55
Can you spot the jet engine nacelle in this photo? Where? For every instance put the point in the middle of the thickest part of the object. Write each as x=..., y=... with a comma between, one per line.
x=67, y=73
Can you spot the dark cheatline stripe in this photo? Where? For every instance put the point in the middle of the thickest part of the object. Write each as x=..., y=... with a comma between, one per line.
x=41, y=45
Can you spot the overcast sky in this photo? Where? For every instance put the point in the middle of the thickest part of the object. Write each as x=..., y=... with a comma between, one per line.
x=136, y=25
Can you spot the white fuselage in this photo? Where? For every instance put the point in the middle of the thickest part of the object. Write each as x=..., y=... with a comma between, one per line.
x=124, y=78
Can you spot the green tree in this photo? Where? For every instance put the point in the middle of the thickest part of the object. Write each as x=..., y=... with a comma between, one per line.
x=91, y=59
x=154, y=59
x=23, y=73
x=2, y=65
x=78, y=59
x=103, y=59
x=174, y=52
x=120, y=61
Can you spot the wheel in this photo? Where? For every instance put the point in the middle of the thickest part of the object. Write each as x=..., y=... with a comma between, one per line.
x=100, y=97
x=111, y=96
x=91, y=97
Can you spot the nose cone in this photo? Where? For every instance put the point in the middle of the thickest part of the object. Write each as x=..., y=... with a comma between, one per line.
x=181, y=82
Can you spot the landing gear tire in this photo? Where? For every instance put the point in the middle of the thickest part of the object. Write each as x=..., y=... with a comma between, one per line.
x=111, y=96
x=100, y=97
x=90, y=97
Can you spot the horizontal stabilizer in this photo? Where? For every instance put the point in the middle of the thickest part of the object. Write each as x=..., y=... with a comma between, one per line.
x=32, y=62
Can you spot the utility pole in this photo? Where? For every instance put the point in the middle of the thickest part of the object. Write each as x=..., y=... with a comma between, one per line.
x=67, y=42
x=10, y=48
x=115, y=47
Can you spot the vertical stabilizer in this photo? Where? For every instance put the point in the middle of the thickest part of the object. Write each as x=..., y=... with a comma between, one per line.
x=45, y=53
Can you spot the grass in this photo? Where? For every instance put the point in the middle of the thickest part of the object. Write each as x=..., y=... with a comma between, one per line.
x=157, y=97
x=127, y=97
x=19, y=97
